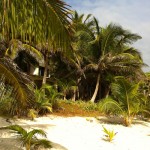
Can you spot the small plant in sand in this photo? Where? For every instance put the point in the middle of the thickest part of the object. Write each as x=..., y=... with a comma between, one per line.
x=89, y=119
x=109, y=134
x=29, y=139
x=32, y=113
x=126, y=100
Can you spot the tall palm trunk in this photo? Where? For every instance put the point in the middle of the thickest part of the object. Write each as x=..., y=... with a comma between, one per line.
x=45, y=69
x=74, y=96
x=96, y=89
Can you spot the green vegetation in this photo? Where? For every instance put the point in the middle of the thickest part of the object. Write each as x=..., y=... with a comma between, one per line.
x=109, y=134
x=126, y=100
x=78, y=62
x=29, y=139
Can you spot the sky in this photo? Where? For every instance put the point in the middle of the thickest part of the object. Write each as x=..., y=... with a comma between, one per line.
x=133, y=15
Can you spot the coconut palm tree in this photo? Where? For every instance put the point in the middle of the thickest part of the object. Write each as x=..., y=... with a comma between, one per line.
x=125, y=100
x=34, y=22
x=111, y=53
x=82, y=36
x=31, y=22
x=29, y=139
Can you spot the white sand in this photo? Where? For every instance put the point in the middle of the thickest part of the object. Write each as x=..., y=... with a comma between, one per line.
x=79, y=133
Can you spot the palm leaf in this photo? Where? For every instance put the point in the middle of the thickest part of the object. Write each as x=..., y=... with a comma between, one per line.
x=41, y=142
x=18, y=80
x=109, y=105
x=17, y=130
x=34, y=132
x=33, y=21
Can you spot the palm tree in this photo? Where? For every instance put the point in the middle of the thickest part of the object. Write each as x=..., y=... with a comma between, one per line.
x=125, y=100
x=111, y=53
x=68, y=87
x=38, y=21
x=29, y=139
x=31, y=22
x=82, y=36
x=43, y=104
x=121, y=64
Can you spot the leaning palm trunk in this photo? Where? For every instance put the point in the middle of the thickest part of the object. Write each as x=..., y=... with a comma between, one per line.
x=45, y=69
x=96, y=89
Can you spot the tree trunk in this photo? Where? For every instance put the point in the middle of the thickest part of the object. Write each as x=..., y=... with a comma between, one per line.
x=27, y=146
x=107, y=91
x=78, y=93
x=65, y=96
x=96, y=89
x=74, y=95
x=45, y=69
x=127, y=121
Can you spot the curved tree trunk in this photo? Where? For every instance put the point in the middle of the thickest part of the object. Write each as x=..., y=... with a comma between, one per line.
x=96, y=89
x=45, y=69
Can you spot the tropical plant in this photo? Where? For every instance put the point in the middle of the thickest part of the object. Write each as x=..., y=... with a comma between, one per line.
x=42, y=96
x=126, y=100
x=66, y=87
x=82, y=37
x=28, y=23
x=32, y=113
x=29, y=139
x=25, y=21
x=111, y=54
x=19, y=81
x=109, y=134
x=102, y=52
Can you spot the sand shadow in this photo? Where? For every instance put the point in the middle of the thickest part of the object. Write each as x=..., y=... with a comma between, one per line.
x=57, y=146
x=141, y=122
x=9, y=144
x=14, y=144
x=110, y=120
x=40, y=126
x=115, y=120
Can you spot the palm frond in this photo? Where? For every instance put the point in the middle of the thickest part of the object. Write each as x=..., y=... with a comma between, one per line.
x=42, y=142
x=91, y=67
x=18, y=80
x=108, y=105
x=33, y=21
x=34, y=132
x=17, y=130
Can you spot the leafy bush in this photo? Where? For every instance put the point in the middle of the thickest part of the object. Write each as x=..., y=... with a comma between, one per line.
x=46, y=99
x=88, y=106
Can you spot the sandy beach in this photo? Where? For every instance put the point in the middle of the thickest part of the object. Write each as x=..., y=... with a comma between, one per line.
x=81, y=133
